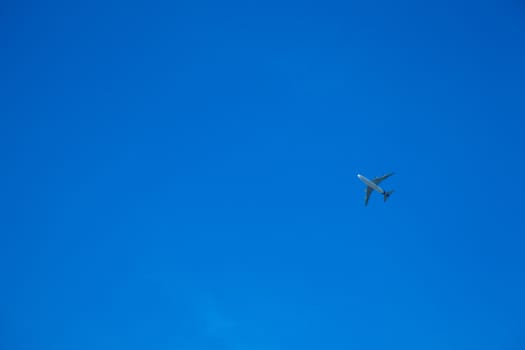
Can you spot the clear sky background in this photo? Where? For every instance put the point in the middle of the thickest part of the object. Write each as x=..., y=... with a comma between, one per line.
x=182, y=175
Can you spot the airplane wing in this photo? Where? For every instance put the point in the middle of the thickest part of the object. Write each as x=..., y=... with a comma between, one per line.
x=368, y=191
x=377, y=180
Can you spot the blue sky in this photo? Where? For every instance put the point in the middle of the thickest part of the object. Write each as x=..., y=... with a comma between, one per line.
x=182, y=175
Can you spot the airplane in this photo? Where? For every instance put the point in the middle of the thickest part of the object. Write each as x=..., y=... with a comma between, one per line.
x=373, y=185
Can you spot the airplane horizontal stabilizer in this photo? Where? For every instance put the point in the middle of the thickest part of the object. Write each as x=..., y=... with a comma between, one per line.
x=387, y=194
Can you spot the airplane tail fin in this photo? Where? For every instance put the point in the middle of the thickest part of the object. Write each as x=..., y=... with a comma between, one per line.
x=387, y=194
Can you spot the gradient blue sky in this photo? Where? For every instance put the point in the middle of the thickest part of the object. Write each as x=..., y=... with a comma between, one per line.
x=182, y=175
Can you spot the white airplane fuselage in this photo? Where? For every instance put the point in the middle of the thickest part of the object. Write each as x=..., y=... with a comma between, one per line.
x=370, y=184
